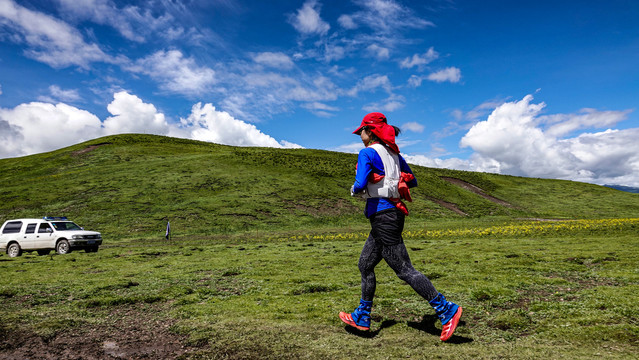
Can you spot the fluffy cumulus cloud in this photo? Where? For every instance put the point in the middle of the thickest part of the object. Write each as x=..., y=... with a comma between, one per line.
x=513, y=140
x=131, y=115
x=38, y=126
x=516, y=139
x=208, y=124
x=35, y=127
x=307, y=20
x=49, y=40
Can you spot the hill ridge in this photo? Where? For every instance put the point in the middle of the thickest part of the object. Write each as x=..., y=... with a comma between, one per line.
x=130, y=185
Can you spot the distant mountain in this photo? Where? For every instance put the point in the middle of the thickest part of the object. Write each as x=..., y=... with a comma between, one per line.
x=624, y=188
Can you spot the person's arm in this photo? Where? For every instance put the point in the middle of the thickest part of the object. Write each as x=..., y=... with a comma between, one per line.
x=364, y=168
x=403, y=167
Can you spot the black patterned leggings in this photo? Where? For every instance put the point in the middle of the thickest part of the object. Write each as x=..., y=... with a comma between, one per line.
x=385, y=242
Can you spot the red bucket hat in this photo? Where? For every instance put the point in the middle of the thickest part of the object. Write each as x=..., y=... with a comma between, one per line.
x=378, y=125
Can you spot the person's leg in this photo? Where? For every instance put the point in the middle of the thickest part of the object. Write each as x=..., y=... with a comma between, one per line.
x=394, y=252
x=369, y=258
x=448, y=312
x=397, y=258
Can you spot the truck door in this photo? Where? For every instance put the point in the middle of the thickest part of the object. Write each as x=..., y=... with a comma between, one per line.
x=45, y=239
x=29, y=237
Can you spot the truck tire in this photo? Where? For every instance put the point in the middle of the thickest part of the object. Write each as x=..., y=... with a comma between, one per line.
x=63, y=247
x=14, y=250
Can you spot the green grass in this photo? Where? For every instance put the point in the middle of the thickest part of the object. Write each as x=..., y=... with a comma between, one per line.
x=131, y=185
x=568, y=296
x=265, y=247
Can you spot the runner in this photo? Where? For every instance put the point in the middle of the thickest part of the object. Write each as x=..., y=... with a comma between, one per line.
x=383, y=178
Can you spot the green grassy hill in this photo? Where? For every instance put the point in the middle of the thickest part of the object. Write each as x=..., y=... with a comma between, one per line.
x=128, y=186
x=238, y=285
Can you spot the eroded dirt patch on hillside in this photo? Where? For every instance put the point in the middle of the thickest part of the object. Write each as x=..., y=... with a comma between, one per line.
x=477, y=190
x=89, y=148
x=128, y=332
x=450, y=206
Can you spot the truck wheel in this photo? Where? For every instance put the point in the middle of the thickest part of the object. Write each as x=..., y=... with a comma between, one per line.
x=14, y=250
x=43, y=252
x=63, y=247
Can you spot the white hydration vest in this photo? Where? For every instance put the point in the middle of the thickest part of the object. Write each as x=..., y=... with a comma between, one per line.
x=388, y=187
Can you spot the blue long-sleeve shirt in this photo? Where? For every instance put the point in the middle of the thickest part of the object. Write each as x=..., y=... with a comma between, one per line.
x=369, y=161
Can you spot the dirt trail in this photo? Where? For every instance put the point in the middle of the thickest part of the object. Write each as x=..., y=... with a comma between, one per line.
x=450, y=206
x=89, y=149
x=470, y=187
x=128, y=332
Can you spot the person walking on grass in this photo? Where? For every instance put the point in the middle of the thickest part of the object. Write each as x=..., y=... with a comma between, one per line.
x=383, y=177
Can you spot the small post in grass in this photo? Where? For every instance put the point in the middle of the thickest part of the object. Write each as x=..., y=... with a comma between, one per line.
x=168, y=231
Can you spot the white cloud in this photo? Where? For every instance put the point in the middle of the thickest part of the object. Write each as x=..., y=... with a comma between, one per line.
x=451, y=74
x=307, y=20
x=50, y=40
x=175, y=73
x=563, y=124
x=413, y=126
x=392, y=103
x=132, y=21
x=418, y=60
x=512, y=142
x=453, y=163
x=371, y=83
x=379, y=52
x=320, y=109
x=132, y=115
x=207, y=124
x=257, y=94
x=415, y=81
x=333, y=52
x=58, y=94
x=352, y=148
x=36, y=127
x=347, y=22
x=386, y=16
x=276, y=60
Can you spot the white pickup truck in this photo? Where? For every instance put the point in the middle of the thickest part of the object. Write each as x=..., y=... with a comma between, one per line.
x=46, y=234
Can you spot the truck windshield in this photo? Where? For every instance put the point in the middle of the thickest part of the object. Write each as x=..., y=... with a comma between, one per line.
x=65, y=225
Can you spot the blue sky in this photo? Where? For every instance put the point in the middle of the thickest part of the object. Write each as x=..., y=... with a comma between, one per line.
x=543, y=89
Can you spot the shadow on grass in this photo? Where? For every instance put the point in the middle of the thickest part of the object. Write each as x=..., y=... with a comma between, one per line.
x=428, y=325
x=370, y=334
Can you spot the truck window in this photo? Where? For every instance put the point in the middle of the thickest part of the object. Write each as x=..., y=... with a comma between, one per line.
x=12, y=227
x=30, y=229
x=44, y=227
